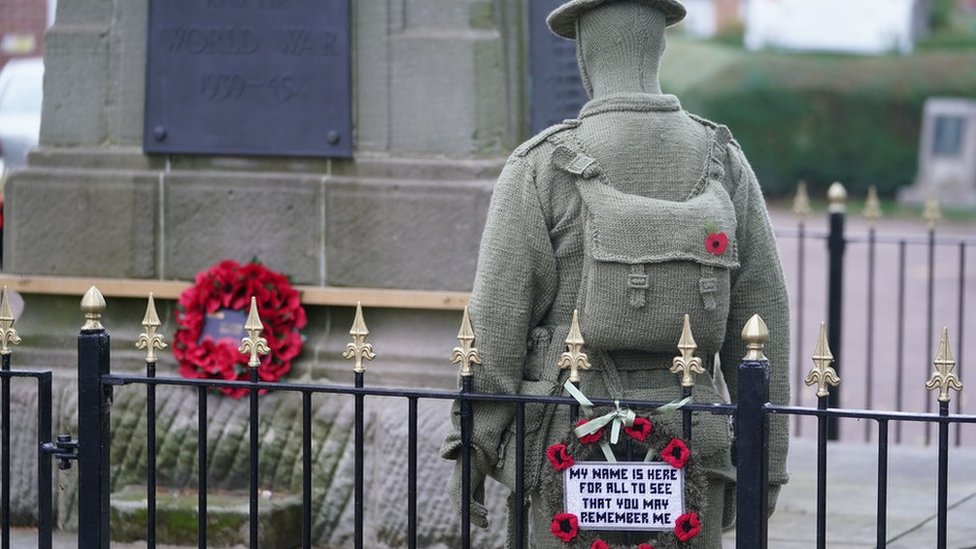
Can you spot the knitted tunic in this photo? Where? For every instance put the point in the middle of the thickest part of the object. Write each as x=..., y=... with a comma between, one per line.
x=530, y=274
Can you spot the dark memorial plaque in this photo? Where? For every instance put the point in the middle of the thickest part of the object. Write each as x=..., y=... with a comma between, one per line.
x=249, y=77
x=557, y=91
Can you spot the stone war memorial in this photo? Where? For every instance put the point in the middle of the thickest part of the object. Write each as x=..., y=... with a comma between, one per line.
x=350, y=146
x=947, y=155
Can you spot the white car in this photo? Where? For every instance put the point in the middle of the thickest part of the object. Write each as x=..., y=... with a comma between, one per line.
x=21, y=95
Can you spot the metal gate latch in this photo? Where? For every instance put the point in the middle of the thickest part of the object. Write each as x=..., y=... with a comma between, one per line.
x=65, y=449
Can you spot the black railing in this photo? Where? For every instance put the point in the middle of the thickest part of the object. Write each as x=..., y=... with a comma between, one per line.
x=96, y=383
x=939, y=260
x=63, y=449
x=943, y=419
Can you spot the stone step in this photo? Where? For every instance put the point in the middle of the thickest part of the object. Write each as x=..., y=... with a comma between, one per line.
x=279, y=518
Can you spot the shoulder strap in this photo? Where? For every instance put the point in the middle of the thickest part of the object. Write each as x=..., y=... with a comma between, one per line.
x=719, y=137
x=544, y=135
x=568, y=156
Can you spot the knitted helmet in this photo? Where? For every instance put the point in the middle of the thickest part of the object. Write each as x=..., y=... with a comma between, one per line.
x=562, y=20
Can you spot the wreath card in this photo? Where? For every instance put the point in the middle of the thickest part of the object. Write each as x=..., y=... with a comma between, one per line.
x=224, y=324
x=625, y=496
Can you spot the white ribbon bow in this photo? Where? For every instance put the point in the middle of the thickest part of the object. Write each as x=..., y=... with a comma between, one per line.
x=619, y=417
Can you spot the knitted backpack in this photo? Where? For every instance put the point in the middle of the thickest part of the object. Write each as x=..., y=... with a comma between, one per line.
x=648, y=261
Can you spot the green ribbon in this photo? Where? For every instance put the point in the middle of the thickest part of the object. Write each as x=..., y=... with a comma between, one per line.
x=619, y=417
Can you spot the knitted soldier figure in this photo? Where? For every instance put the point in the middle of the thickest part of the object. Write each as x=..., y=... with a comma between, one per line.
x=636, y=214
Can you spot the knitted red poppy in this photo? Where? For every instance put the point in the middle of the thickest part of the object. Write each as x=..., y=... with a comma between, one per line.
x=676, y=453
x=687, y=526
x=716, y=243
x=559, y=457
x=565, y=526
x=641, y=429
x=645, y=546
x=592, y=437
x=599, y=544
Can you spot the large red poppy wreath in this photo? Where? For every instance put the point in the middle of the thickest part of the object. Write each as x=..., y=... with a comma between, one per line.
x=229, y=286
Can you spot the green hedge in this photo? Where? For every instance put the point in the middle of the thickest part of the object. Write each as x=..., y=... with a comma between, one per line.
x=826, y=118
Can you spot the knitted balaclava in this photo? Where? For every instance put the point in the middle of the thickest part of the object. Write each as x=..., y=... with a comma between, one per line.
x=619, y=47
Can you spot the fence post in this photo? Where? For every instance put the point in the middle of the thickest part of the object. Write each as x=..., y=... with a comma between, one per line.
x=751, y=438
x=836, y=244
x=93, y=426
x=465, y=355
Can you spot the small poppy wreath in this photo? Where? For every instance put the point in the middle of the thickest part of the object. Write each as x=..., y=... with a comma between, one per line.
x=643, y=436
x=229, y=285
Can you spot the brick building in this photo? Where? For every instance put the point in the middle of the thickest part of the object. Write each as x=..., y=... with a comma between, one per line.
x=22, y=25
x=710, y=17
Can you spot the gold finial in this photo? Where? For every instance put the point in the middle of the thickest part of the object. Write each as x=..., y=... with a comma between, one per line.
x=574, y=359
x=872, y=206
x=932, y=213
x=358, y=349
x=8, y=335
x=149, y=339
x=944, y=378
x=687, y=363
x=837, y=195
x=254, y=344
x=93, y=304
x=466, y=354
x=823, y=374
x=801, y=202
x=755, y=334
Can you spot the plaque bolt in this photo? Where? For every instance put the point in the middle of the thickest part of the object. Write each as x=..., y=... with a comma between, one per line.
x=333, y=137
x=159, y=133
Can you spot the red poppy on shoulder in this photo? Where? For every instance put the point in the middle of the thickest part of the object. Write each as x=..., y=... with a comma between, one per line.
x=565, y=526
x=641, y=430
x=716, y=243
x=676, y=453
x=599, y=544
x=559, y=457
x=592, y=437
x=687, y=526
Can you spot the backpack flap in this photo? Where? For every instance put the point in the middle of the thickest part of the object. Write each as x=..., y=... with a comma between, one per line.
x=648, y=262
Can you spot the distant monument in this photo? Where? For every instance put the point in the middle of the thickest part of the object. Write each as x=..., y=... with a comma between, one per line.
x=947, y=155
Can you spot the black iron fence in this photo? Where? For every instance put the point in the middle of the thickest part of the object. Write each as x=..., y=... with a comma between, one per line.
x=885, y=291
x=96, y=383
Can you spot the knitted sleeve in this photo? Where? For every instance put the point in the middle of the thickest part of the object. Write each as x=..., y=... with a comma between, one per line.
x=514, y=286
x=758, y=287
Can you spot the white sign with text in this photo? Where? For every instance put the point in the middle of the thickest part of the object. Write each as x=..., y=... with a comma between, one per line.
x=625, y=496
